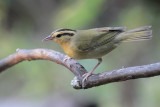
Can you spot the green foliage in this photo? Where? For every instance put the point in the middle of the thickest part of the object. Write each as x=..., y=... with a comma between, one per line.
x=77, y=14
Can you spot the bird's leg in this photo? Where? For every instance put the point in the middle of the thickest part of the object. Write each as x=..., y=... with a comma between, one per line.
x=86, y=75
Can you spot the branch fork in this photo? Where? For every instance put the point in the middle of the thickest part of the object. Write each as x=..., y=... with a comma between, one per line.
x=78, y=70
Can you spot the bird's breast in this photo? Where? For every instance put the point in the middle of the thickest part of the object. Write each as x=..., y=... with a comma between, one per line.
x=71, y=51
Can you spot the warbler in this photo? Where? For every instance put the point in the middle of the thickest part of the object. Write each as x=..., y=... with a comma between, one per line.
x=97, y=42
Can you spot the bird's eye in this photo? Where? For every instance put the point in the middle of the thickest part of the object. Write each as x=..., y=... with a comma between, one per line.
x=59, y=35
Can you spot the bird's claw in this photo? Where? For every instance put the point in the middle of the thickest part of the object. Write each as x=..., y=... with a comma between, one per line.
x=86, y=75
x=66, y=58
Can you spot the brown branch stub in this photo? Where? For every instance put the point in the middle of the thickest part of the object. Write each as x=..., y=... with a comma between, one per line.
x=78, y=70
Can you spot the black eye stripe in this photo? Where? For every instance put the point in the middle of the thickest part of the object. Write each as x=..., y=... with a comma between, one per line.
x=65, y=30
x=65, y=34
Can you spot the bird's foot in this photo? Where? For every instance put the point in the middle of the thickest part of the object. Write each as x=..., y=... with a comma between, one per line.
x=86, y=75
x=66, y=58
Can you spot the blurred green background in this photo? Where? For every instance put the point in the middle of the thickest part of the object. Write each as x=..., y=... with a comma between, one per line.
x=24, y=23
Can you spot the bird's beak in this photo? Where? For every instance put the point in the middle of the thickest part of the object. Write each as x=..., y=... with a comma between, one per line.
x=48, y=38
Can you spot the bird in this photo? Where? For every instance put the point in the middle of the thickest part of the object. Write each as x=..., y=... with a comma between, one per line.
x=96, y=42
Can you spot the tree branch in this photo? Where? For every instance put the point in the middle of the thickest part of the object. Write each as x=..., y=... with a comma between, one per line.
x=78, y=70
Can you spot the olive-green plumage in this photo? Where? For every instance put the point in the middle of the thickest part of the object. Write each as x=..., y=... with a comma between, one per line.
x=95, y=43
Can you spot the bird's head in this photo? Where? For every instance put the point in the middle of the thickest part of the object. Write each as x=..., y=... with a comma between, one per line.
x=61, y=35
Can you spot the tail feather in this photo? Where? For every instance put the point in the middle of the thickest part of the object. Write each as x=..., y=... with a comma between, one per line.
x=143, y=33
x=140, y=29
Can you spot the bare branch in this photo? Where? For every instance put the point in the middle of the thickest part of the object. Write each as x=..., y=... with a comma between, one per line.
x=123, y=75
x=42, y=54
x=78, y=70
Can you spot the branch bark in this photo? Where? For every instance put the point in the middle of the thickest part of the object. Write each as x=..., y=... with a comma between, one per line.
x=78, y=70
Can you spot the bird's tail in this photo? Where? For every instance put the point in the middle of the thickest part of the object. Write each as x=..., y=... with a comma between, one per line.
x=143, y=33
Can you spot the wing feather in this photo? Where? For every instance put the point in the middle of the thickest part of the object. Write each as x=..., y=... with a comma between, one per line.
x=96, y=37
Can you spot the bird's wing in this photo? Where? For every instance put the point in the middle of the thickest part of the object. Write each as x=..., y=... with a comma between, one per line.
x=103, y=29
x=97, y=37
